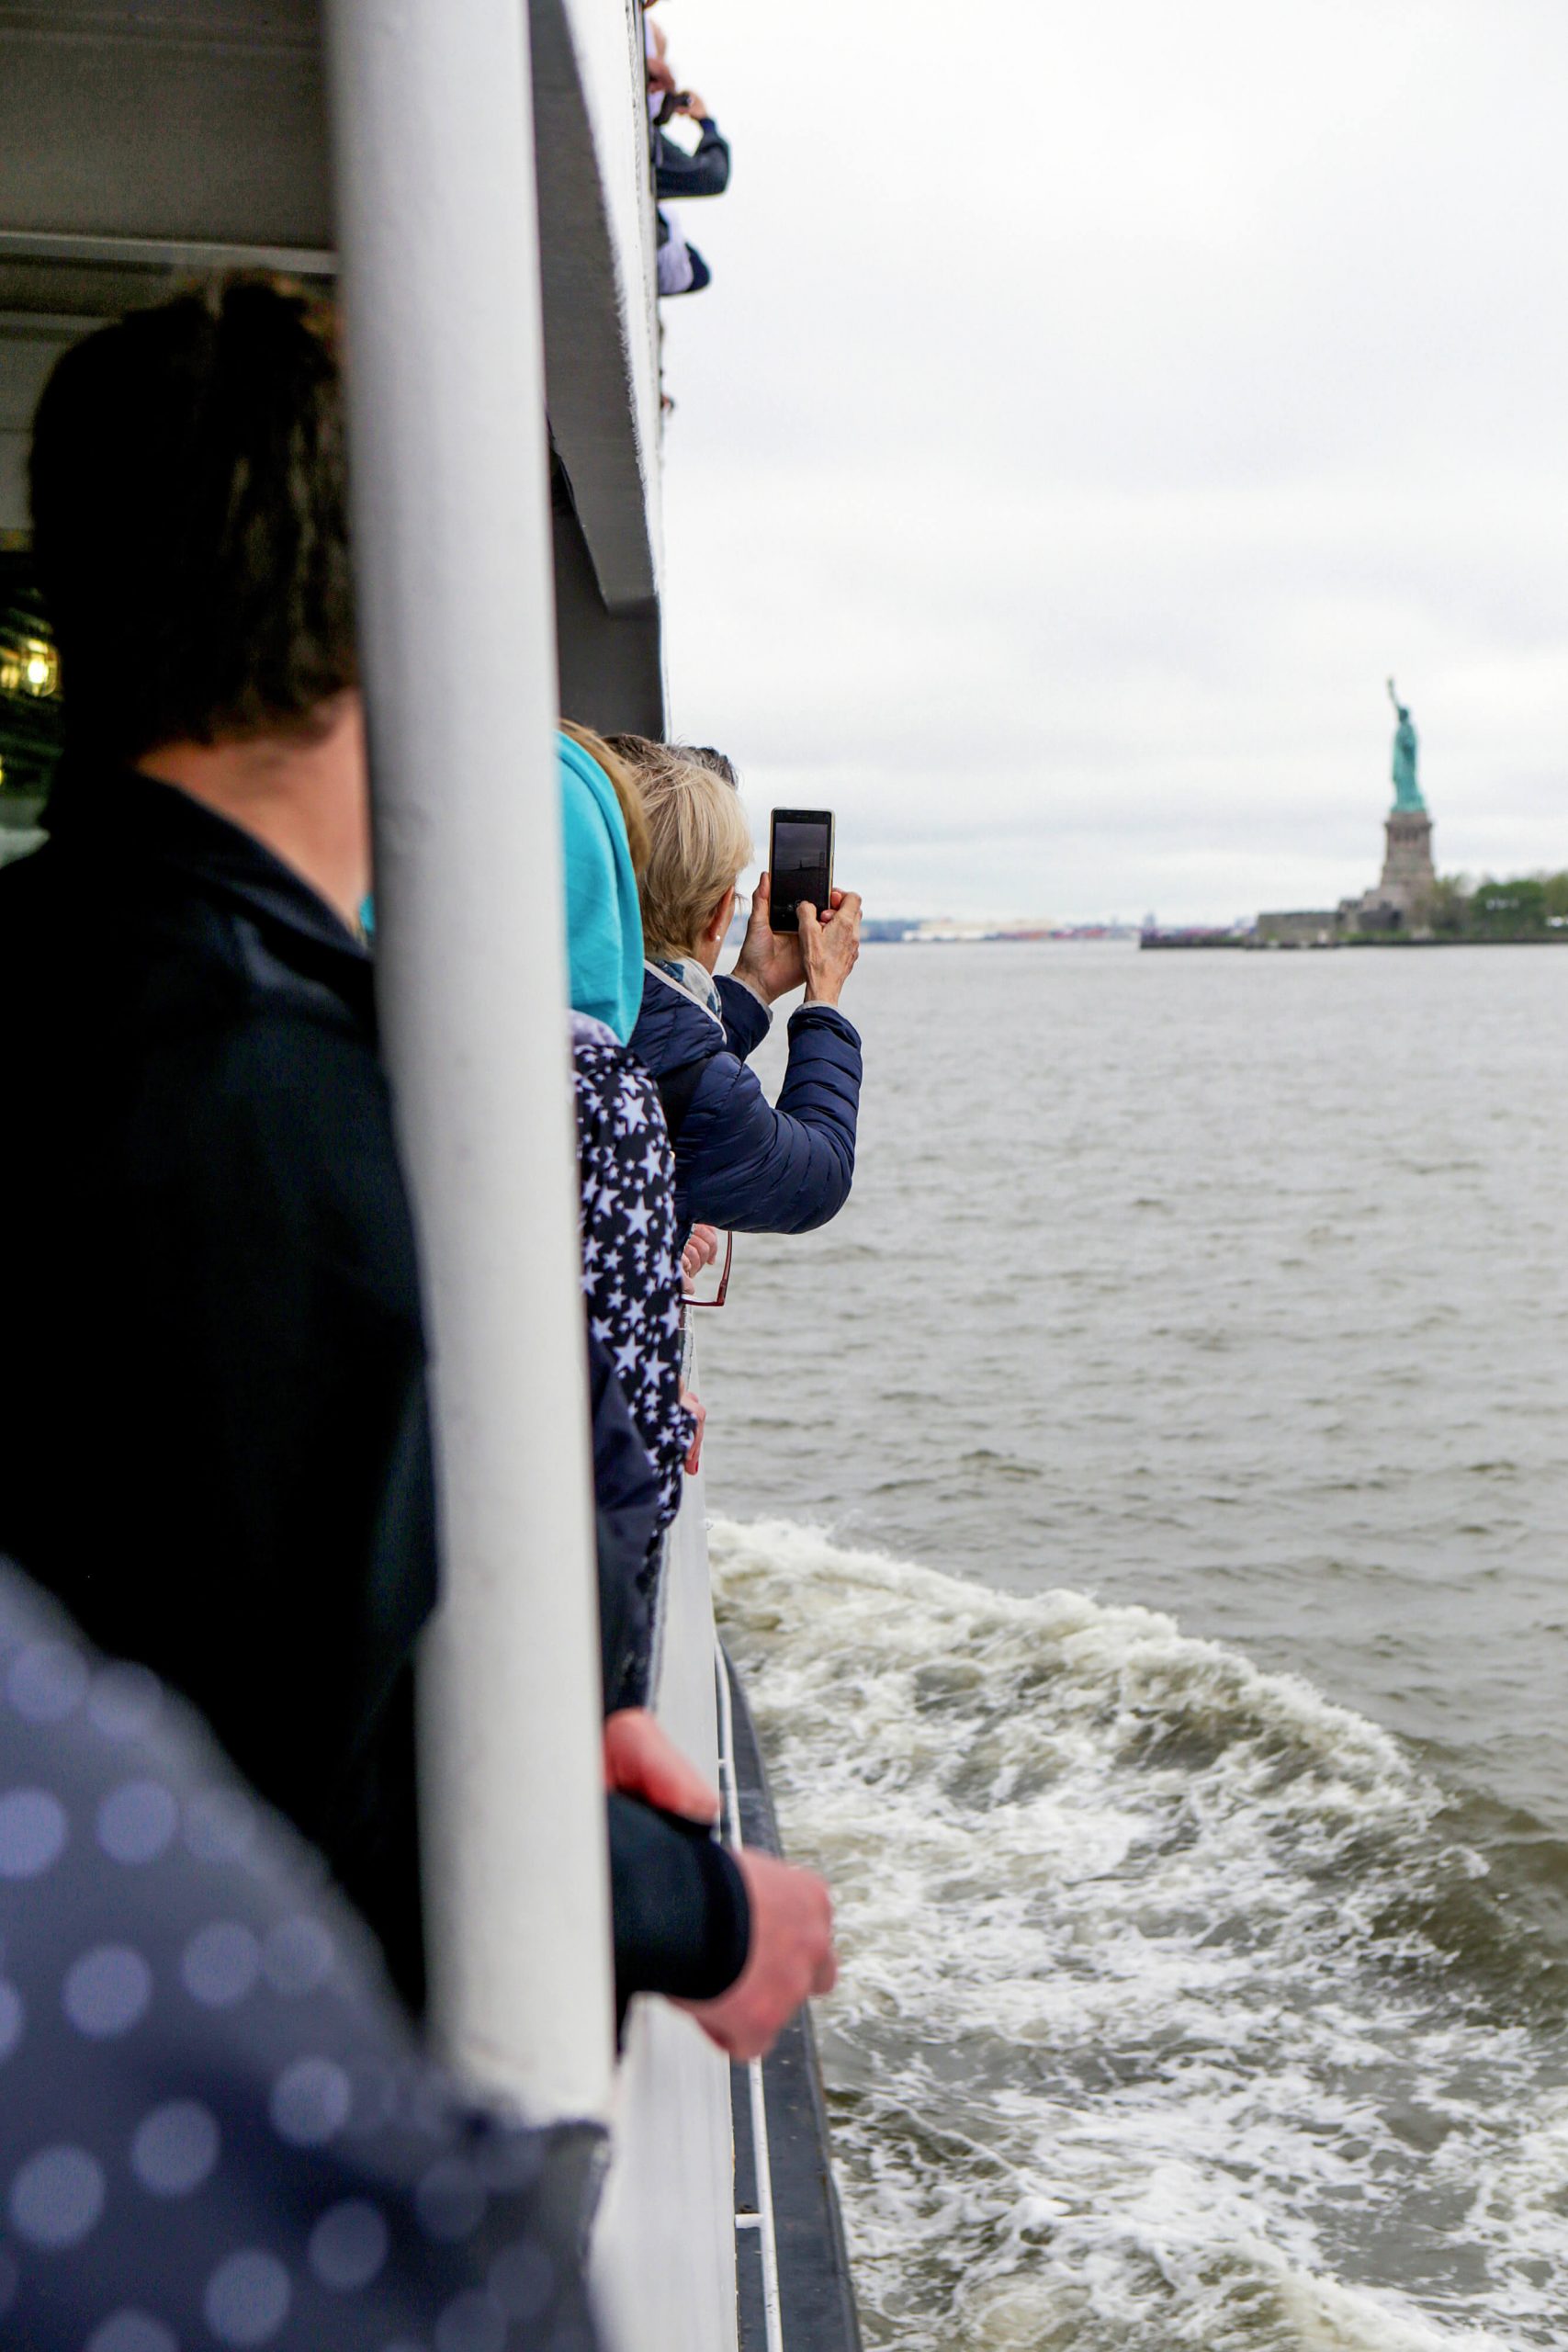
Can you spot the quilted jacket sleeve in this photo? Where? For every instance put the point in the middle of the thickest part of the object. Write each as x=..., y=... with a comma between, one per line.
x=747, y=1019
x=758, y=1168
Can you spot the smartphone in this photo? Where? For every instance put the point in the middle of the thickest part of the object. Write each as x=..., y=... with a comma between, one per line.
x=800, y=864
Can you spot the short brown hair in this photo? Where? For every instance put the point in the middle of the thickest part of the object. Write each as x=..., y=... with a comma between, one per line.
x=190, y=520
x=700, y=841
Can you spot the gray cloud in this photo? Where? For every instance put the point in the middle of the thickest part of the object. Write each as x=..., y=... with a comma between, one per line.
x=1091, y=407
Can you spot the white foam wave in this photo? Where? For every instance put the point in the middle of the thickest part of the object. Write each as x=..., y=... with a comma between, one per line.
x=1145, y=2040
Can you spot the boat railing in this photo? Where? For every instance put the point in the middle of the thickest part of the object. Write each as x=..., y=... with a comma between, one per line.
x=665, y=2249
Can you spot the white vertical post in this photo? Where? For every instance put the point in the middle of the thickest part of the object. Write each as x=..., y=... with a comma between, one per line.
x=433, y=158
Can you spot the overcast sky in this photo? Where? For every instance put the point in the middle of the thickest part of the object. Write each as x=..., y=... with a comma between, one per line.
x=1092, y=406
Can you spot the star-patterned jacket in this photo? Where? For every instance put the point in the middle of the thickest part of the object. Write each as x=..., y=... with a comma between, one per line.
x=631, y=1263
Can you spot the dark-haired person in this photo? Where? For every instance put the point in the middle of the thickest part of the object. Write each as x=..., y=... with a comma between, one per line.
x=217, y=1453
x=216, y=1444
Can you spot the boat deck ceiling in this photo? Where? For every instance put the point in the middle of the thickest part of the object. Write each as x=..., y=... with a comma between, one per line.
x=144, y=143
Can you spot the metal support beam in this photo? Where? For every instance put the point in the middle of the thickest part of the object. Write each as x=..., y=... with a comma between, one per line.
x=432, y=167
x=164, y=253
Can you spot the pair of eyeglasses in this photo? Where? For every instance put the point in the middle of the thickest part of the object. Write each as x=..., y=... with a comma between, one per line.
x=719, y=1297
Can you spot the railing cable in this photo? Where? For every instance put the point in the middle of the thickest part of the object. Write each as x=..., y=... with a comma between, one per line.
x=762, y=2221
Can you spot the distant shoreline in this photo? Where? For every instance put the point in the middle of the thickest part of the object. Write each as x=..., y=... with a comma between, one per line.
x=1393, y=940
x=1195, y=944
x=1218, y=943
x=883, y=930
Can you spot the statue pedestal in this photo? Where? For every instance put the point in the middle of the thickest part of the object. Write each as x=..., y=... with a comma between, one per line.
x=1408, y=874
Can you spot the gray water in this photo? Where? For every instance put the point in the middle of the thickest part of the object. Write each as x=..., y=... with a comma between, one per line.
x=1203, y=1969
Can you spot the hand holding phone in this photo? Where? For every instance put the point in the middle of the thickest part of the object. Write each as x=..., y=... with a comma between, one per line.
x=800, y=864
x=829, y=944
x=770, y=961
x=779, y=953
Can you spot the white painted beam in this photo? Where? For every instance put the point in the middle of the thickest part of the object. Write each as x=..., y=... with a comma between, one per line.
x=434, y=175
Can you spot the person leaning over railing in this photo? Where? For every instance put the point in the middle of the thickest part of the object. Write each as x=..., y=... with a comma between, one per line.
x=680, y=268
x=703, y=170
x=740, y=1161
x=632, y=1291
x=217, y=1443
x=630, y=1242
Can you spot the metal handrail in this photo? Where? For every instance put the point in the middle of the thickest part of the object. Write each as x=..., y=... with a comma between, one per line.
x=762, y=2221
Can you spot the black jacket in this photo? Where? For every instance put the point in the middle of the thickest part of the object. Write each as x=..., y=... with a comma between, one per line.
x=216, y=1451
x=703, y=172
x=214, y=1443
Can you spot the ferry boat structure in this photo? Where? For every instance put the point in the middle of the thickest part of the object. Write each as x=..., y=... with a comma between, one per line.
x=474, y=177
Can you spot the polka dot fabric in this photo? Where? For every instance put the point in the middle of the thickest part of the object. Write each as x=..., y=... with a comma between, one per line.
x=216, y=2128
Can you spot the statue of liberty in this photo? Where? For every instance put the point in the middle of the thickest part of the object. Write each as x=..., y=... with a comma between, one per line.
x=1407, y=791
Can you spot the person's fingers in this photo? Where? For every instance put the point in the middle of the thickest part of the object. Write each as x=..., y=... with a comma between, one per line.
x=642, y=1760
x=805, y=912
x=734, y=2043
x=757, y=927
x=791, y=1957
x=675, y=1785
x=686, y=1793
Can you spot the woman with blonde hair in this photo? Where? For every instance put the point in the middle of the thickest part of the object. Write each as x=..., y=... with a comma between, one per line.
x=742, y=1939
x=740, y=1161
x=631, y=1269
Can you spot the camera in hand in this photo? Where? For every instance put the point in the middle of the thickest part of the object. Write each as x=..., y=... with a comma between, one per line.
x=800, y=865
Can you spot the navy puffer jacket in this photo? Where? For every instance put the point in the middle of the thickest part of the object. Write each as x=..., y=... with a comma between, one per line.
x=741, y=1161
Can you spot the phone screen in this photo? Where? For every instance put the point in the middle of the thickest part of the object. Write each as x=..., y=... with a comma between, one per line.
x=800, y=864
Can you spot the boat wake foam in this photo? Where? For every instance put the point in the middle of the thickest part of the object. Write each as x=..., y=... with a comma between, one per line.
x=1173, y=2014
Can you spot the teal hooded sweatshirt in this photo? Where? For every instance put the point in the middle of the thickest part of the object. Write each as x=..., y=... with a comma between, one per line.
x=604, y=921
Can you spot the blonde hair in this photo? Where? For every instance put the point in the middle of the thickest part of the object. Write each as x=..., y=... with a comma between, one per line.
x=624, y=784
x=699, y=840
